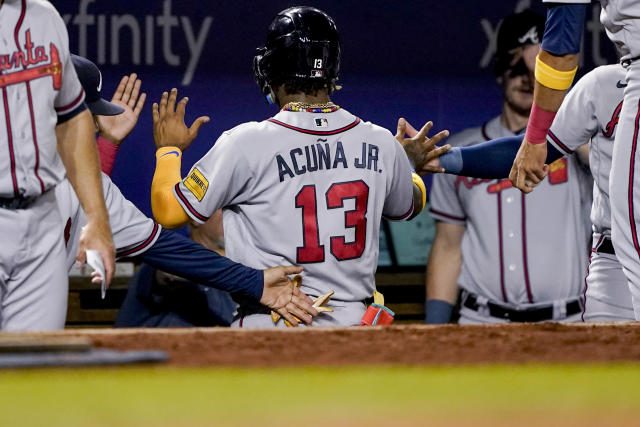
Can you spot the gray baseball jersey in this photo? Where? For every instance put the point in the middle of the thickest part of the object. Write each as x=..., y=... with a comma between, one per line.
x=506, y=256
x=591, y=112
x=621, y=19
x=38, y=88
x=133, y=232
x=38, y=84
x=307, y=189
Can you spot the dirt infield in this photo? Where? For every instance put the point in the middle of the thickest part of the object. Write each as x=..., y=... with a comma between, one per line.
x=403, y=344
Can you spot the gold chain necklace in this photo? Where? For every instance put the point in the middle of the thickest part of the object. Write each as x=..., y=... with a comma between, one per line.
x=328, y=107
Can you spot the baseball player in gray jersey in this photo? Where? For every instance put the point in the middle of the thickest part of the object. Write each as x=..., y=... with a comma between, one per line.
x=591, y=112
x=42, y=113
x=491, y=240
x=555, y=68
x=308, y=186
x=135, y=235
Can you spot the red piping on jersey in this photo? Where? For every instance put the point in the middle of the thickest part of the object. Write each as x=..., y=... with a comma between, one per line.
x=401, y=217
x=527, y=283
x=186, y=203
x=446, y=215
x=558, y=142
x=69, y=107
x=10, y=140
x=632, y=221
x=501, y=250
x=316, y=132
x=35, y=138
x=19, y=24
x=141, y=246
x=593, y=250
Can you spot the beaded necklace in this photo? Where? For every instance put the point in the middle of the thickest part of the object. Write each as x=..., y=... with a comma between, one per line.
x=329, y=107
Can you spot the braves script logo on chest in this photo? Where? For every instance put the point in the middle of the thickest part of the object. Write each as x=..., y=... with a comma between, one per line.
x=611, y=126
x=31, y=55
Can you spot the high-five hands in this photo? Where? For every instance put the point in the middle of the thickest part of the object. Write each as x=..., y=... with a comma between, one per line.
x=128, y=96
x=285, y=298
x=169, y=128
x=420, y=149
x=529, y=167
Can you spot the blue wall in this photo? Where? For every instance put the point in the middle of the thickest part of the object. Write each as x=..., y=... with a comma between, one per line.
x=419, y=59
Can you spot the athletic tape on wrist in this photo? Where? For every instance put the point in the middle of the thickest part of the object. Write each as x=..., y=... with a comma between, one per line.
x=549, y=77
x=539, y=123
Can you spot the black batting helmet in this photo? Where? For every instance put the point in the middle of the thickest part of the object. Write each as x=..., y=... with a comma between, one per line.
x=302, y=44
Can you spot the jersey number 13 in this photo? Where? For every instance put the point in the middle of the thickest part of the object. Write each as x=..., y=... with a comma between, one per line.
x=311, y=250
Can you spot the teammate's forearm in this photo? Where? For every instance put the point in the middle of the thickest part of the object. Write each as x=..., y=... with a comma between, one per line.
x=489, y=160
x=107, y=151
x=77, y=149
x=555, y=67
x=443, y=269
x=166, y=209
x=178, y=255
x=550, y=99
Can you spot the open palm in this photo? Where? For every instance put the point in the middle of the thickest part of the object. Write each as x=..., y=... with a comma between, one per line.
x=127, y=95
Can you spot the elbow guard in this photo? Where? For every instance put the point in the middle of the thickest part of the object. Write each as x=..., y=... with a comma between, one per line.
x=166, y=209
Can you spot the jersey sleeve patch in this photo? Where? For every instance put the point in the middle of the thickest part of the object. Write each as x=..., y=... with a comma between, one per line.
x=197, y=184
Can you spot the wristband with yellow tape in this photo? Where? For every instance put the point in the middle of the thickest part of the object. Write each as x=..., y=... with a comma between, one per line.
x=549, y=77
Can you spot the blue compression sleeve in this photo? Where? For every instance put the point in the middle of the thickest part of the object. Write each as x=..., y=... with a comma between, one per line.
x=438, y=312
x=489, y=160
x=178, y=255
x=563, y=29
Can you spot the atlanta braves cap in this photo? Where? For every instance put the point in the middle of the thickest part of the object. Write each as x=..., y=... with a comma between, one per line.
x=519, y=29
x=91, y=81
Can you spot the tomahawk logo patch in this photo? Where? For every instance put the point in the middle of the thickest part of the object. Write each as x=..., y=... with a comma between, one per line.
x=197, y=184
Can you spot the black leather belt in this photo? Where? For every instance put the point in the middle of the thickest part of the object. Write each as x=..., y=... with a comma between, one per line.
x=16, y=202
x=530, y=314
x=606, y=247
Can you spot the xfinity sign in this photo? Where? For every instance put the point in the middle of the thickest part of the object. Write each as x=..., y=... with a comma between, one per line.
x=108, y=30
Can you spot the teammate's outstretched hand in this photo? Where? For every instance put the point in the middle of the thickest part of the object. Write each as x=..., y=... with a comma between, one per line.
x=283, y=297
x=128, y=96
x=96, y=235
x=169, y=128
x=529, y=168
x=420, y=149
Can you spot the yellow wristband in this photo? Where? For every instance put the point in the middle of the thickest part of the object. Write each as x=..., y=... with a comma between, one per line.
x=420, y=183
x=553, y=79
x=166, y=150
x=166, y=209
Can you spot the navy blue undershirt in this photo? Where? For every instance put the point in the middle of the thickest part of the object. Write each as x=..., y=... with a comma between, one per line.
x=176, y=254
x=489, y=160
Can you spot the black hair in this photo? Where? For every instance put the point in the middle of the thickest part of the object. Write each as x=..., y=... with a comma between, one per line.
x=293, y=85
